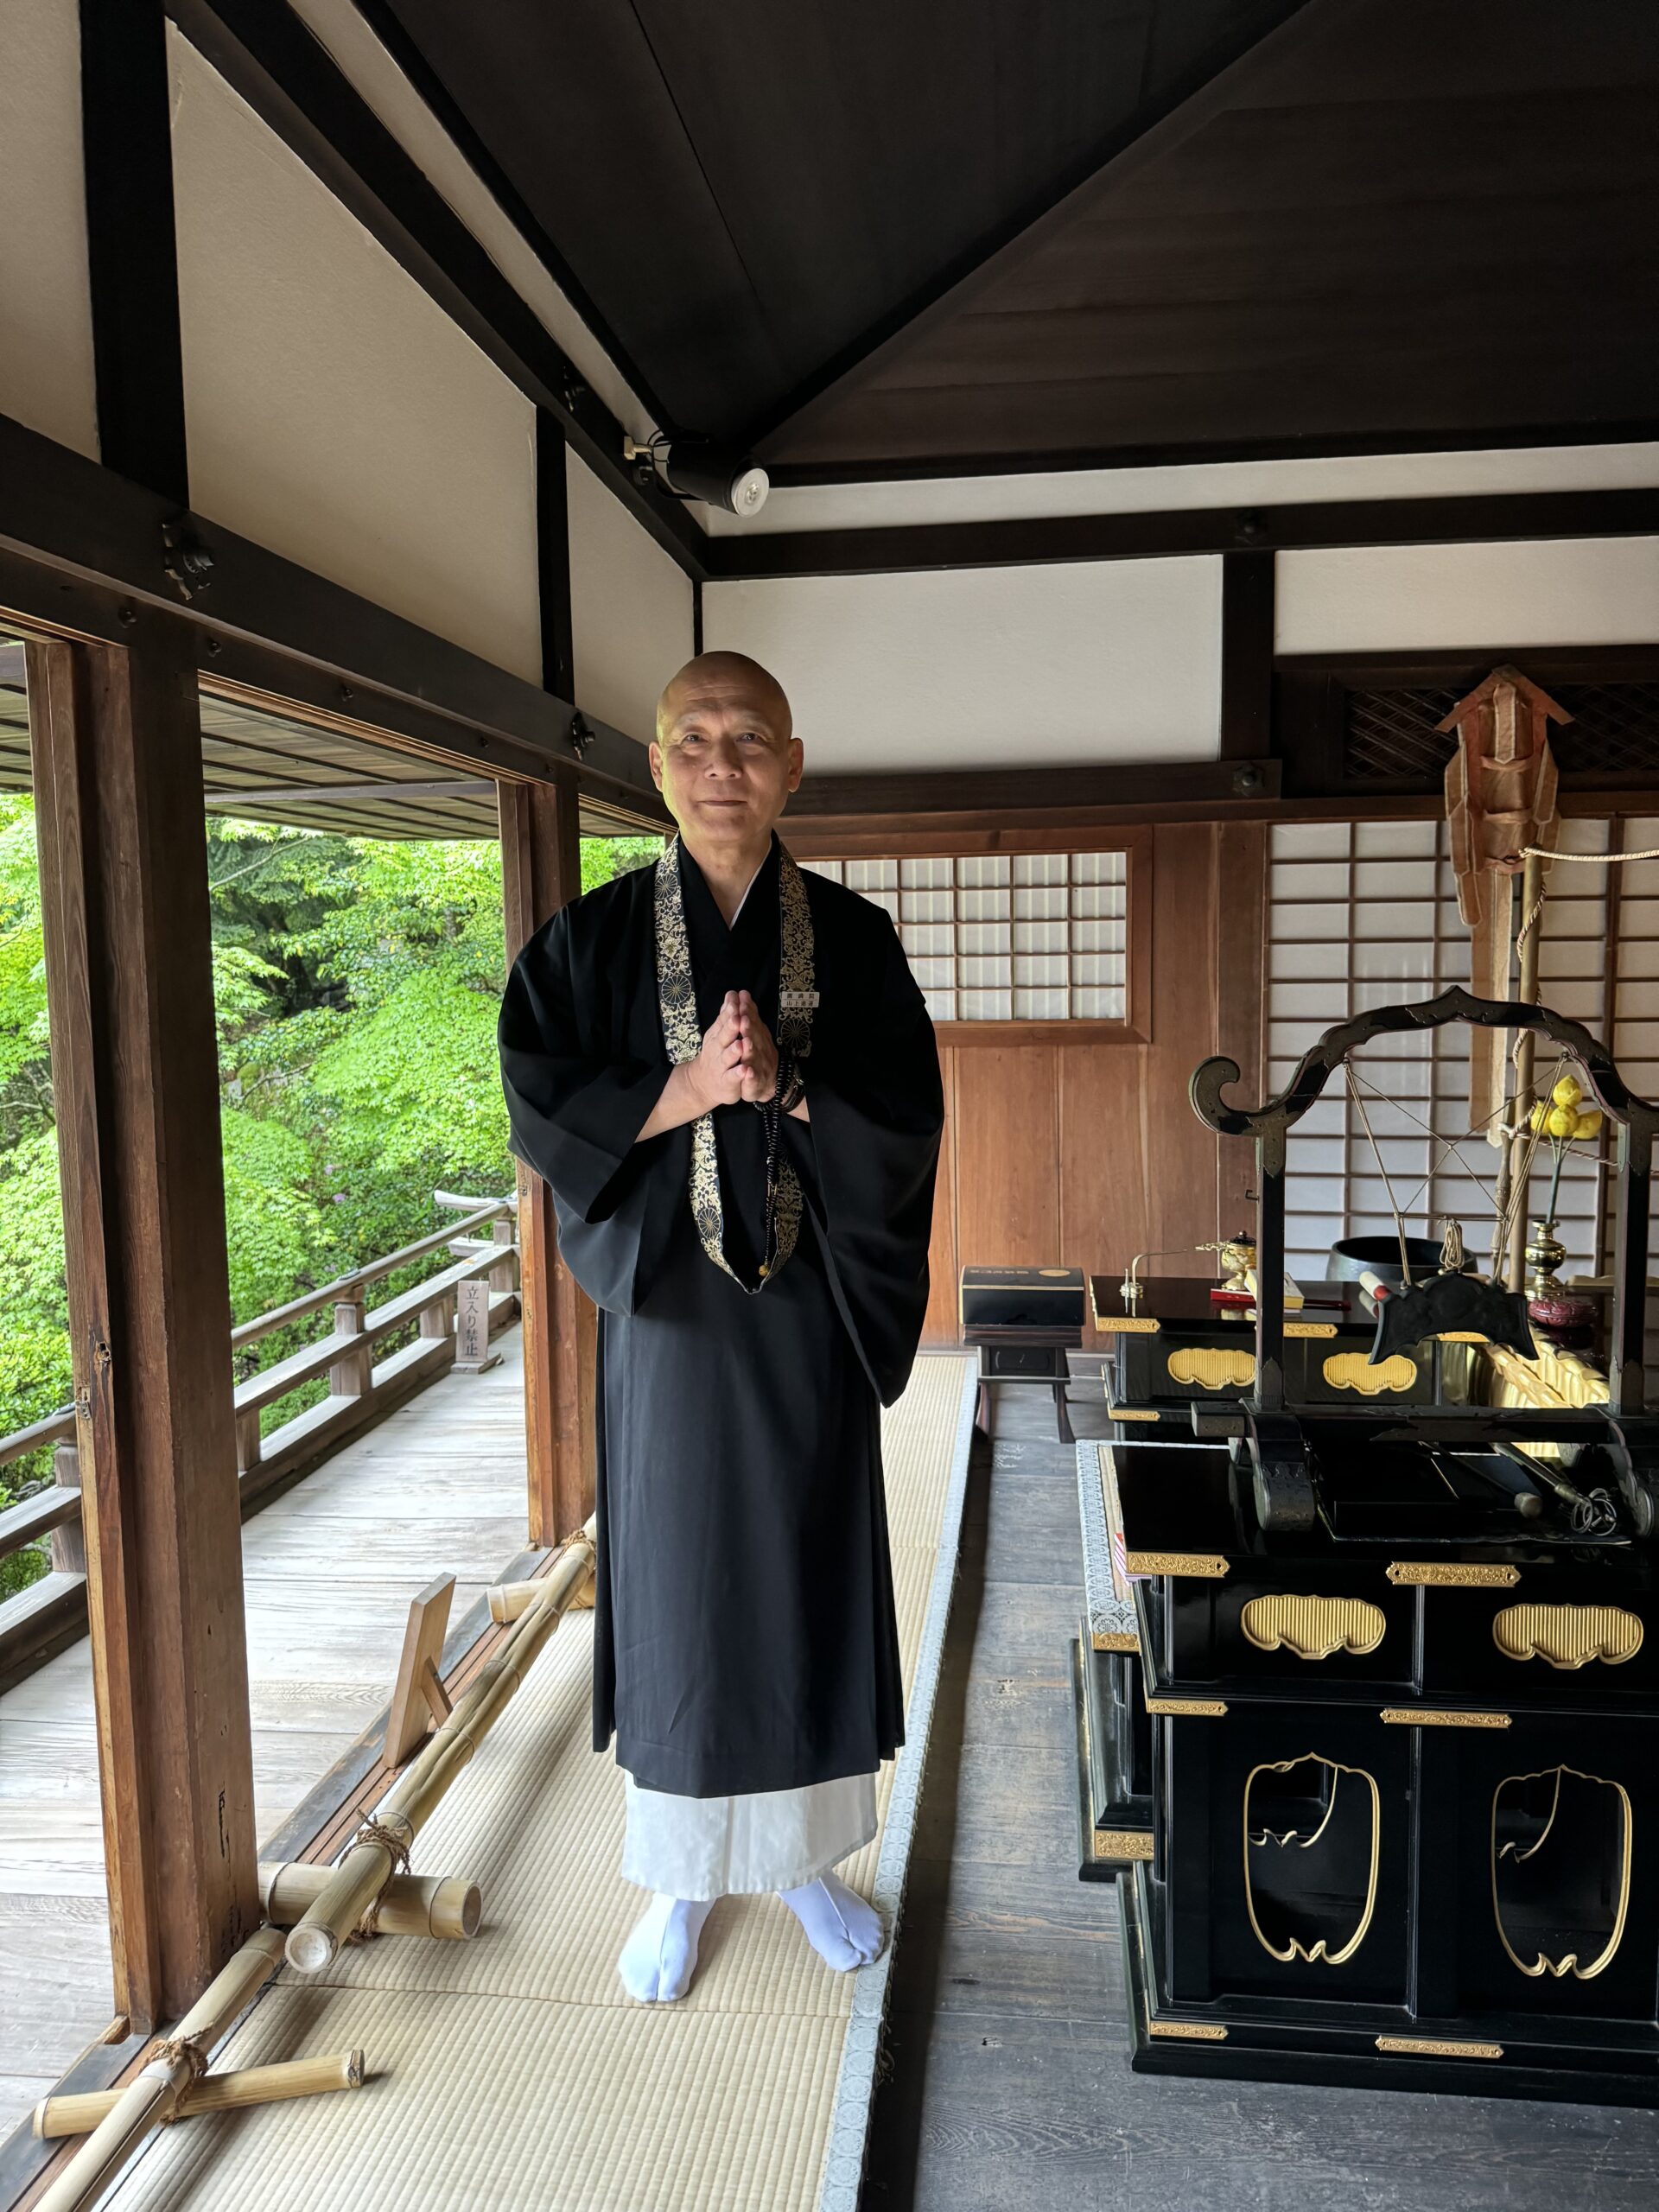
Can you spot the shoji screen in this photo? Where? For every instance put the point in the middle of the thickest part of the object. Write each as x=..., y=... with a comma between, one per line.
x=1009, y=936
x=1362, y=914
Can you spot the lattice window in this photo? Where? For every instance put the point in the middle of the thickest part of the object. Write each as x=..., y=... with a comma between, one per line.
x=1007, y=937
x=1389, y=736
x=1363, y=914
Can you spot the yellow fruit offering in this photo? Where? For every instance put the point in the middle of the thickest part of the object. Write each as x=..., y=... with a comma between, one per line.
x=1588, y=1124
x=1567, y=1091
x=1561, y=1120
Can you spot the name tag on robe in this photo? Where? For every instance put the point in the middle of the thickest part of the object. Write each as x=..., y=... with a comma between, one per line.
x=789, y=1000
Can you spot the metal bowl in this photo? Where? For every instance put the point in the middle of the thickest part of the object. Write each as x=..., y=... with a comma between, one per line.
x=1352, y=1256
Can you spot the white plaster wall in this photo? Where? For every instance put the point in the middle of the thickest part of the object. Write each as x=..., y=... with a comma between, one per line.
x=1386, y=598
x=46, y=316
x=335, y=414
x=989, y=668
x=631, y=611
x=1193, y=483
x=339, y=26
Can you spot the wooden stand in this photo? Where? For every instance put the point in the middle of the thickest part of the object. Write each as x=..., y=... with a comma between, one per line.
x=419, y=1696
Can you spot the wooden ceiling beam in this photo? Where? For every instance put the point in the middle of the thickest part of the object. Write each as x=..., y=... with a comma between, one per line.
x=82, y=548
x=1470, y=518
x=262, y=49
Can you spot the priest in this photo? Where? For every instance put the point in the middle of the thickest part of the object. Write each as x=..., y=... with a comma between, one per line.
x=725, y=1071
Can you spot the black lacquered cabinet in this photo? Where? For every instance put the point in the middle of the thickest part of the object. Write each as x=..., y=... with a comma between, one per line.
x=1401, y=1804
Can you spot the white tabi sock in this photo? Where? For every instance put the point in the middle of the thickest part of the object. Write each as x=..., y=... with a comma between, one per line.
x=660, y=1957
x=842, y=1929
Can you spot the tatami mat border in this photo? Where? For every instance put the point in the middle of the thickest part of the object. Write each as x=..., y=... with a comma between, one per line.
x=849, y=2122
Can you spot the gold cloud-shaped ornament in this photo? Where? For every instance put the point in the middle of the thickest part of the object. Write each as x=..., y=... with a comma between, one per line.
x=1313, y=1845
x=1568, y=1636
x=1212, y=1367
x=1562, y=1864
x=1352, y=1370
x=1310, y=1627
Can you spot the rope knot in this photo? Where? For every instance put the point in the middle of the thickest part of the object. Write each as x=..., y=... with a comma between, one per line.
x=175, y=2050
x=393, y=1840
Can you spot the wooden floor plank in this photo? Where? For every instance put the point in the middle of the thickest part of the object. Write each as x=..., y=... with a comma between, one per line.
x=329, y=1569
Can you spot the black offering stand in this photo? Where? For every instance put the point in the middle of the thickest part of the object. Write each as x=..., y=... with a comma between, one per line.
x=1402, y=1674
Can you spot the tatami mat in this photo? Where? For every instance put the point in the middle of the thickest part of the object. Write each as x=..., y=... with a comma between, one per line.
x=512, y=2071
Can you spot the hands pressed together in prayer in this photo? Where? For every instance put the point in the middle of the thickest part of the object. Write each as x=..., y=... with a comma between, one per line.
x=739, y=1060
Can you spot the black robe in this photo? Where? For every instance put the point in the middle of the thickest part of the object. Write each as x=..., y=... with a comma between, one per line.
x=744, y=1636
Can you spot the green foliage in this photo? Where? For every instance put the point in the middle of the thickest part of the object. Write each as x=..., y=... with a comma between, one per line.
x=356, y=985
x=603, y=858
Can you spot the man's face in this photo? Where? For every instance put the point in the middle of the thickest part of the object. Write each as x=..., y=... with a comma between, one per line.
x=724, y=757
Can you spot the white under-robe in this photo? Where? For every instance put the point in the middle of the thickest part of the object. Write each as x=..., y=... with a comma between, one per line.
x=699, y=1847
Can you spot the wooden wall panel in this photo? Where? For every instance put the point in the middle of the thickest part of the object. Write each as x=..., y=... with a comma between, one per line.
x=1087, y=1154
x=1241, y=993
x=1006, y=1143
x=940, y=1326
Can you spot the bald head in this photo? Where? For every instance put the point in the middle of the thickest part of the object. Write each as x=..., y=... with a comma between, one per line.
x=723, y=684
x=726, y=757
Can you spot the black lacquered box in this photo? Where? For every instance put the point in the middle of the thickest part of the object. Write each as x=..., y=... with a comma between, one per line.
x=1023, y=1298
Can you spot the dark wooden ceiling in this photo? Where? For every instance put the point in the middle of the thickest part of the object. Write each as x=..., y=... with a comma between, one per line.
x=879, y=236
x=745, y=194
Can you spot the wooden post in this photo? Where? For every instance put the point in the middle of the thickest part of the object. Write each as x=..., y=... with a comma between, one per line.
x=505, y=1275
x=117, y=751
x=540, y=868
x=350, y=1376
x=69, y=1542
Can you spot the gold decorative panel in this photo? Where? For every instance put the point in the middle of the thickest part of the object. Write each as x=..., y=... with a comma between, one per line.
x=1115, y=1639
x=1344, y=1807
x=1451, y=1574
x=1208, y=1566
x=1127, y=1325
x=1187, y=2030
x=1422, y=1716
x=1130, y=1843
x=1312, y=1627
x=1211, y=1367
x=1428, y=2047
x=1310, y=1328
x=1568, y=1636
x=1562, y=1859
x=1130, y=1413
x=1351, y=1370
x=1191, y=1709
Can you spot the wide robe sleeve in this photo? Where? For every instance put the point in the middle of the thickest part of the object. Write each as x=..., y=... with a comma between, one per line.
x=576, y=1100
x=877, y=1111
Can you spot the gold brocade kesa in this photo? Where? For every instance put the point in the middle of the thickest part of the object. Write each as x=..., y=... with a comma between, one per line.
x=677, y=996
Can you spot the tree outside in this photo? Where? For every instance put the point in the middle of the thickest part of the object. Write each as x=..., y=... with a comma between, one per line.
x=357, y=984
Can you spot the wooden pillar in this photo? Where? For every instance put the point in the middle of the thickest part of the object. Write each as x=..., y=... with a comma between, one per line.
x=1241, y=986
x=540, y=868
x=1247, y=628
x=117, y=753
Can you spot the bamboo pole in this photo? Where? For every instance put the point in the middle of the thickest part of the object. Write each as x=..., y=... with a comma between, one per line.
x=153, y=2095
x=247, y=2085
x=442, y=1905
x=1519, y=1194
x=314, y=1941
x=509, y=1600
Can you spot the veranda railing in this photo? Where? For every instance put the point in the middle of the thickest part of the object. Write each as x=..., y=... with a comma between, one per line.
x=455, y=1312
